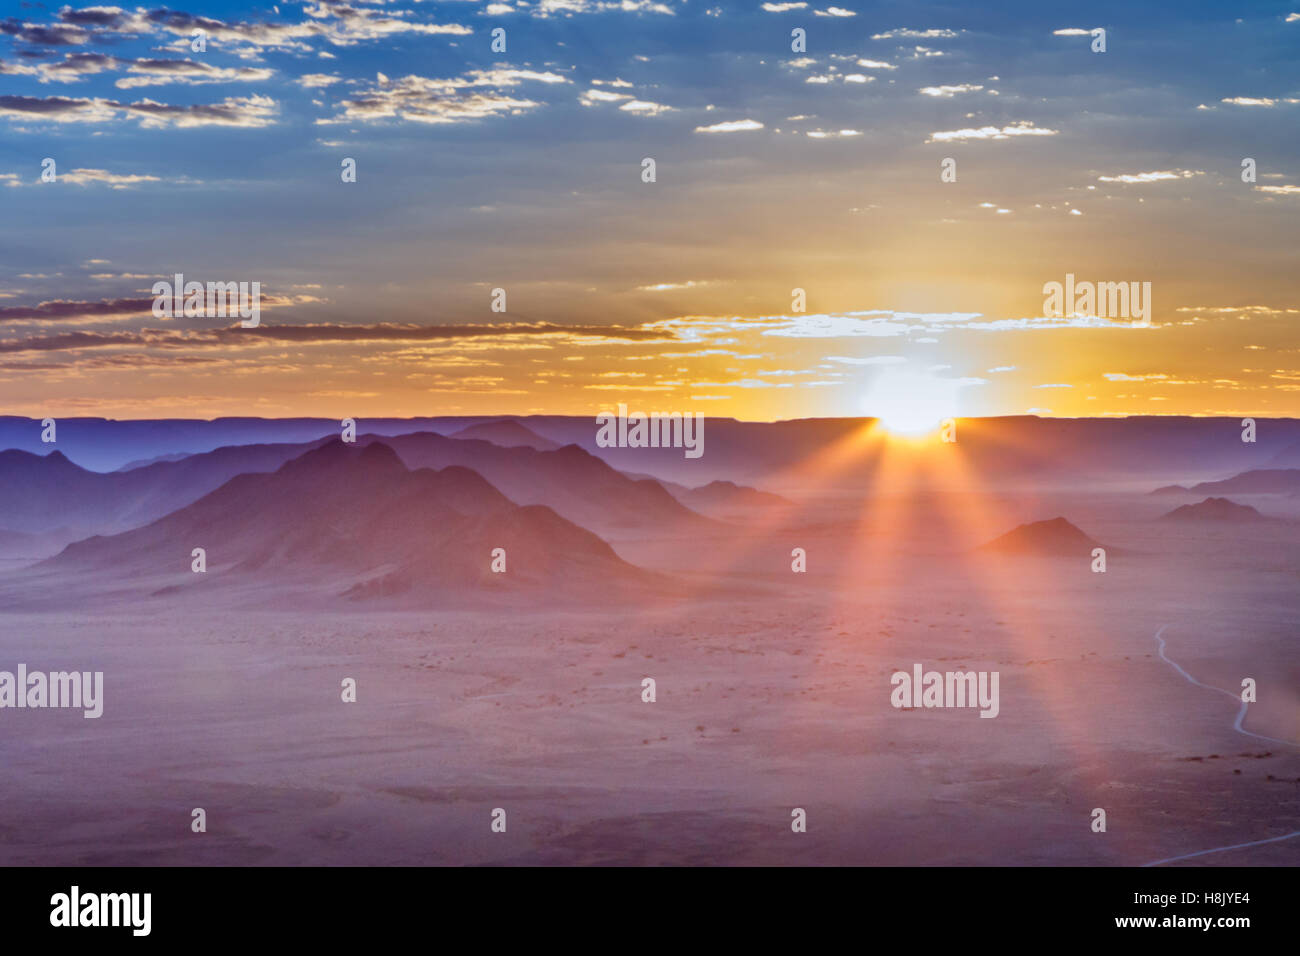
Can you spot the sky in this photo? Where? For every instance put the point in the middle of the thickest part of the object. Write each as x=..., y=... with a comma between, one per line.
x=775, y=170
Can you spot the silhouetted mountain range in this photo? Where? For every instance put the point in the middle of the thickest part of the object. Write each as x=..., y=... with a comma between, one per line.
x=508, y=434
x=1264, y=481
x=1080, y=450
x=358, y=514
x=1214, y=509
x=724, y=498
x=41, y=493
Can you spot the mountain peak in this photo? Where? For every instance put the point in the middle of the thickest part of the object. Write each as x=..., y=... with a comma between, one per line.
x=337, y=453
x=1054, y=536
x=1215, y=509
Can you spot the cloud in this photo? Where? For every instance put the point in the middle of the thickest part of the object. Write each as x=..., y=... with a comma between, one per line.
x=592, y=97
x=671, y=286
x=310, y=334
x=645, y=106
x=876, y=65
x=1249, y=101
x=471, y=96
x=316, y=81
x=1022, y=128
x=245, y=111
x=187, y=72
x=783, y=7
x=59, y=310
x=835, y=12
x=70, y=69
x=1072, y=32
x=730, y=126
x=340, y=24
x=147, y=72
x=39, y=35
x=547, y=8
x=1287, y=190
x=916, y=34
x=1152, y=177
x=949, y=91
x=1125, y=377
x=84, y=177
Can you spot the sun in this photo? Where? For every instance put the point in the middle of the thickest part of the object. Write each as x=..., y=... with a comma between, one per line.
x=910, y=403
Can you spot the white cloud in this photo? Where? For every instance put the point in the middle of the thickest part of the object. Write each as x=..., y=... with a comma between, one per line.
x=569, y=7
x=1023, y=128
x=471, y=96
x=592, y=97
x=916, y=34
x=315, y=81
x=730, y=126
x=646, y=107
x=84, y=177
x=1152, y=177
x=671, y=286
x=950, y=91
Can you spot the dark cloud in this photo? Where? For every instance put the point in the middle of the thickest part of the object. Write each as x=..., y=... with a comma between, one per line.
x=94, y=16
x=308, y=334
x=244, y=111
x=65, y=310
x=38, y=35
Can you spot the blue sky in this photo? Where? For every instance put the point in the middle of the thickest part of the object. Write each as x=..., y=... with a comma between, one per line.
x=775, y=170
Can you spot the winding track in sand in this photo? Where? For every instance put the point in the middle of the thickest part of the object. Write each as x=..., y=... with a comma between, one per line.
x=1241, y=715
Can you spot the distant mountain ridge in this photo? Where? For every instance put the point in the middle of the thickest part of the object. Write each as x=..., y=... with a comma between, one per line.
x=508, y=433
x=740, y=451
x=1260, y=481
x=356, y=513
x=1214, y=509
x=40, y=493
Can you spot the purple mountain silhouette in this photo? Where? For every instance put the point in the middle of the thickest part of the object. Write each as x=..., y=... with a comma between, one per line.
x=1054, y=537
x=356, y=513
x=508, y=434
x=1214, y=509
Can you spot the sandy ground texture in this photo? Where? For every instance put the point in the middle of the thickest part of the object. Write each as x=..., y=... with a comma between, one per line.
x=773, y=693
